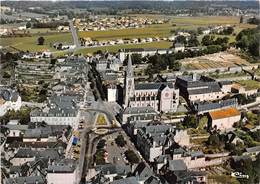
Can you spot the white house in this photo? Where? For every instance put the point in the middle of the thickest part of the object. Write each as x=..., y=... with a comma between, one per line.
x=9, y=100
x=224, y=119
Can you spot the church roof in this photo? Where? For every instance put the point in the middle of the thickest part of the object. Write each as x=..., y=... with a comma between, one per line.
x=152, y=86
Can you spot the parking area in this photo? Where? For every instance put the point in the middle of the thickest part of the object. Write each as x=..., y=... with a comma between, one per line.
x=115, y=153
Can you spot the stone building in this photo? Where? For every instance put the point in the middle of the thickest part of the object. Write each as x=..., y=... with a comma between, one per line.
x=162, y=96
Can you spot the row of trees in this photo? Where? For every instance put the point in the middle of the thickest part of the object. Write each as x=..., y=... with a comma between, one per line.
x=51, y=25
x=212, y=40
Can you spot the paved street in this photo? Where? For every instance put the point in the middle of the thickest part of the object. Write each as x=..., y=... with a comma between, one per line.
x=74, y=35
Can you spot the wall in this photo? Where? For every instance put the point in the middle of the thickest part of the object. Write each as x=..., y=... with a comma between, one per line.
x=225, y=123
x=61, y=178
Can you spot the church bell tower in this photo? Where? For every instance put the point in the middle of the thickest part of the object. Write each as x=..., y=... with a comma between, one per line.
x=129, y=82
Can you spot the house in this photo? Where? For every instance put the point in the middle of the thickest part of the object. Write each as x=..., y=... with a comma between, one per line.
x=205, y=107
x=142, y=51
x=25, y=180
x=223, y=119
x=195, y=88
x=252, y=152
x=112, y=93
x=110, y=171
x=24, y=155
x=153, y=140
x=176, y=172
x=60, y=110
x=9, y=100
x=143, y=172
x=179, y=47
x=129, y=180
x=232, y=138
x=62, y=172
x=142, y=114
x=15, y=129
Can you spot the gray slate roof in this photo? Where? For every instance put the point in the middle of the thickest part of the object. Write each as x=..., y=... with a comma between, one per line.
x=63, y=166
x=177, y=165
x=152, y=86
x=139, y=110
x=28, y=153
x=129, y=180
x=114, y=169
x=25, y=180
x=253, y=149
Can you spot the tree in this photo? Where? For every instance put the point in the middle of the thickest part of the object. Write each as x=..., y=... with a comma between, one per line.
x=99, y=157
x=120, y=141
x=53, y=61
x=41, y=40
x=131, y=157
x=28, y=25
x=181, y=39
x=101, y=144
x=208, y=40
x=193, y=41
x=6, y=75
x=241, y=19
x=213, y=140
x=228, y=31
x=190, y=121
x=253, y=47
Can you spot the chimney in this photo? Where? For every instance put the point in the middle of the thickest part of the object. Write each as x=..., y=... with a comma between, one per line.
x=194, y=76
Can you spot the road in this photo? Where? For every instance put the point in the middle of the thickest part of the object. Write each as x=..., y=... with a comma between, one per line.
x=74, y=35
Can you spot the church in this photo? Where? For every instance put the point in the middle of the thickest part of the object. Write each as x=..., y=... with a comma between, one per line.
x=162, y=96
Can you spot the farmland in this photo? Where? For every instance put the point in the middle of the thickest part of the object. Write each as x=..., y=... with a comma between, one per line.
x=30, y=43
x=218, y=60
x=249, y=84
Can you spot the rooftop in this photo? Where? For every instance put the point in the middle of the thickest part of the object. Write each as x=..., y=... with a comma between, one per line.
x=177, y=165
x=253, y=149
x=224, y=113
x=152, y=86
x=139, y=110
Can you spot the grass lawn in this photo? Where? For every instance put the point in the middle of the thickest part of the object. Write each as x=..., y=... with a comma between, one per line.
x=115, y=48
x=222, y=179
x=227, y=75
x=30, y=43
x=249, y=84
x=101, y=120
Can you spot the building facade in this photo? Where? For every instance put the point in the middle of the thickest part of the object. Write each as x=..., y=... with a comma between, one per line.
x=61, y=110
x=161, y=96
x=9, y=100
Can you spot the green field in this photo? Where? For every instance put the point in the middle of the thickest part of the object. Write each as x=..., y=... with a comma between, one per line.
x=115, y=48
x=30, y=43
x=249, y=84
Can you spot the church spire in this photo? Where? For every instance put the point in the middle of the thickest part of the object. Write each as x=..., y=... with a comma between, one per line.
x=129, y=71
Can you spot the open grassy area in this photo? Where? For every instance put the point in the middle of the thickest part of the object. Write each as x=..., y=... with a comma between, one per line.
x=249, y=84
x=228, y=75
x=115, y=48
x=101, y=120
x=222, y=179
x=30, y=43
